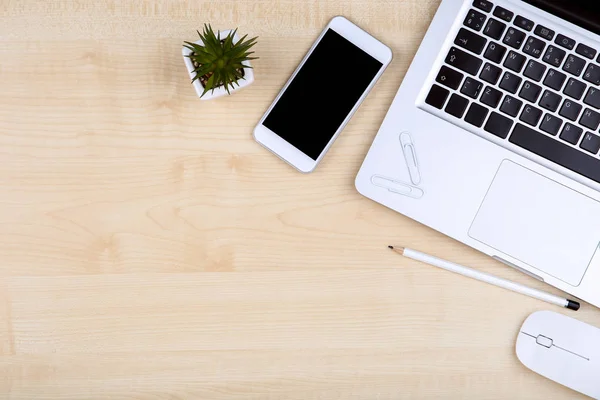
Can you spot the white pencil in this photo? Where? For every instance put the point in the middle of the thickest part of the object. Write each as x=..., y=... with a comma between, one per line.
x=482, y=276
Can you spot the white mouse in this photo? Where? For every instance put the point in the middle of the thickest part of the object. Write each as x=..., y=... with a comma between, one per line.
x=562, y=349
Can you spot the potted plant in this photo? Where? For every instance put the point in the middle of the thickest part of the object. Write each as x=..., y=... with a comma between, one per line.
x=218, y=62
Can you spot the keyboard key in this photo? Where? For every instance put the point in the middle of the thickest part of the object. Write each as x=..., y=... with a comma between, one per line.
x=571, y=133
x=550, y=100
x=503, y=13
x=590, y=119
x=490, y=73
x=510, y=82
x=534, y=47
x=534, y=70
x=570, y=110
x=474, y=20
x=498, y=125
x=483, y=5
x=550, y=124
x=449, y=77
x=471, y=87
x=476, y=115
x=470, y=41
x=574, y=65
x=491, y=97
x=564, y=41
x=586, y=51
x=531, y=115
x=555, y=151
x=511, y=106
x=524, y=23
x=554, y=79
x=494, y=52
x=463, y=61
x=592, y=98
x=514, y=61
x=530, y=91
x=437, y=96
x=592, y=74
x=554, y=55
x=456, y=105
x=494, y=29
x=544, y=32
x=514, y=38
x=590, y=143
x=574, y=88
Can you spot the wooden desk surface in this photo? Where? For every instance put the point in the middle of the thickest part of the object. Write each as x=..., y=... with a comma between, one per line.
x=152, y=250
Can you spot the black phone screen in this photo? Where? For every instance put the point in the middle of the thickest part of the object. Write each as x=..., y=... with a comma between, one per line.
x=322, y=94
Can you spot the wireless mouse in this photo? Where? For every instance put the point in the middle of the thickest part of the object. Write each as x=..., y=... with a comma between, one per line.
x=562, y=349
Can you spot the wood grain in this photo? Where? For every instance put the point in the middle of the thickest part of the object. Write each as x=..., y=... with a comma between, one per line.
x=152, y=250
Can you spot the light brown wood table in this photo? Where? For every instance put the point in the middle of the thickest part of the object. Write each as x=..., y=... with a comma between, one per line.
x=151, y=250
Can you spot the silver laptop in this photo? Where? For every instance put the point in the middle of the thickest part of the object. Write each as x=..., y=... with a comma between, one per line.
x=493, y=137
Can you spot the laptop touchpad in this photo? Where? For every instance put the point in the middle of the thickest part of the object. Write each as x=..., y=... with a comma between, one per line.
x=540, y=222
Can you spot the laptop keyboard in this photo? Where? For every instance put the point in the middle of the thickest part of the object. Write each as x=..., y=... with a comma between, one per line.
x=524, y=83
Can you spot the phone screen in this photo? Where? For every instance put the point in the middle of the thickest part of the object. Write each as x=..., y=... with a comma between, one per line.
x=322, y=94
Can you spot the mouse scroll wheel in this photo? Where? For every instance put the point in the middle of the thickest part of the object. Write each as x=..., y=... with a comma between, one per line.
x=543, y=341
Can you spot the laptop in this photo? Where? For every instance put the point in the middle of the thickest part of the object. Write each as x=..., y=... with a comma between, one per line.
x=493, y=137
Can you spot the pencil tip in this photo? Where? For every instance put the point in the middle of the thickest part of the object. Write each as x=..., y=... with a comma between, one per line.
x=397, y=249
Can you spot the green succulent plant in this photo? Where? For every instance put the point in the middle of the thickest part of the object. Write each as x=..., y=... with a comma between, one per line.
x=219, y=61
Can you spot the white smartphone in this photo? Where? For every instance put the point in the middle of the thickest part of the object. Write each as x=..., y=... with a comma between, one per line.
x=322, y=94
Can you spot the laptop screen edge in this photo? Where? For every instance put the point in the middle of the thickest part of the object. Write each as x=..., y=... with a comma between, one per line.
x=583, y=13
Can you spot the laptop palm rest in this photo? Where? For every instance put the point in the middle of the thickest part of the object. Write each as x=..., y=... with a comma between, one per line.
x=520, y=215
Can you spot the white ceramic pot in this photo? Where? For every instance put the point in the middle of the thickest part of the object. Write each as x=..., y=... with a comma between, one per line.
x=220, y=91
